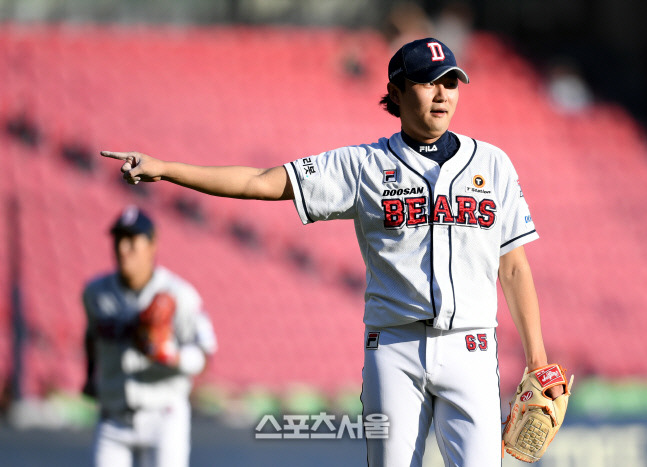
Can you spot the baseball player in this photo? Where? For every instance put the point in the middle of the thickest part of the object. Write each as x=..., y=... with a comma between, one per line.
x=146, y=337
x=439, y=217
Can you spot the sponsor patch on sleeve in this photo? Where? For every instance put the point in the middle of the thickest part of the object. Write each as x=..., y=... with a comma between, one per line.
x=308, y=167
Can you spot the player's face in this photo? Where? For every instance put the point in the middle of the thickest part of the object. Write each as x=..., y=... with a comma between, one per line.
x=426, y=109
x=135, y=256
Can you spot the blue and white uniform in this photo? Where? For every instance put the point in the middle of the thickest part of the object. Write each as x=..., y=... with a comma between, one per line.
x=431, y=233
x=145, y=411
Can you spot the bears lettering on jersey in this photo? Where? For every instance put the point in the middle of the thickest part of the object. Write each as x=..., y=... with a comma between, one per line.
x=412, y=211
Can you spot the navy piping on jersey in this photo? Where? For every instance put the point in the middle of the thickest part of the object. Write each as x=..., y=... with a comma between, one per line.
x=368, y=462
x=449, y=233
x=498, y=374
x=431, y=228
x=517, y=238
x=303, y=200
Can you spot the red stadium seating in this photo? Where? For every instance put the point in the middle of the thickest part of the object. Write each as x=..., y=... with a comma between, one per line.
x=263, y=97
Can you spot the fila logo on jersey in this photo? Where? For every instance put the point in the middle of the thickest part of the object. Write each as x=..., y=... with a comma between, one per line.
x=390, y=175
x=428, y=148
x=373, y=340
x=413, y=211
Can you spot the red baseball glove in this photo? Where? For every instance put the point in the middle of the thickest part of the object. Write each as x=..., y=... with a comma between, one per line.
x=154, y=335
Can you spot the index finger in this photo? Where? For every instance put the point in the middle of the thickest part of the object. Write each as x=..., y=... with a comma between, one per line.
x=122, y=156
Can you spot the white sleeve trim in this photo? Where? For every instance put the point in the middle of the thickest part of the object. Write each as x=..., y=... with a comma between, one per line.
x=299, y=201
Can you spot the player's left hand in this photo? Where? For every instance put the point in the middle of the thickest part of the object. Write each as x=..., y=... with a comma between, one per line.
x=537, y=412
x=555, y=392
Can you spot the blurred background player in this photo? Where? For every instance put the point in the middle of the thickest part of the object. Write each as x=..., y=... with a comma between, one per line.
x=142, y=386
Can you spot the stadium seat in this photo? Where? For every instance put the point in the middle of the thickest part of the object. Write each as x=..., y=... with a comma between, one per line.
x=280, y=304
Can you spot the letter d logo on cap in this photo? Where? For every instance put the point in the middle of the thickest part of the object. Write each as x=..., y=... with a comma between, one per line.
x=437, y=54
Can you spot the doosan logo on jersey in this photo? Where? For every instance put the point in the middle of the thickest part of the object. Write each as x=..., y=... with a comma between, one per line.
x=404, y=191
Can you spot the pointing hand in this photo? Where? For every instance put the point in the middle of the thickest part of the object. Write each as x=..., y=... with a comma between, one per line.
x=137, y=166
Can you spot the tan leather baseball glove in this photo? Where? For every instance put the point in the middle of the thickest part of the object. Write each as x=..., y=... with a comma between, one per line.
x=535, y=418
x=154, y=335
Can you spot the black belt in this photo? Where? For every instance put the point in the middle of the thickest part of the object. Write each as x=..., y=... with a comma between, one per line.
x=428, y=322
x=125, y=416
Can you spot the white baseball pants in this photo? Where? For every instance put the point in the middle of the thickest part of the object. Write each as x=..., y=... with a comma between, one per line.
x=155, y=438
x=417, y=374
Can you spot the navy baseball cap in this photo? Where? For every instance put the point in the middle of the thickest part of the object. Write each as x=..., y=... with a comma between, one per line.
x=424, y=61
x=133, y=221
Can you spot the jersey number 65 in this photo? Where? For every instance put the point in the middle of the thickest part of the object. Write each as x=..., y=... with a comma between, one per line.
x=472, y=345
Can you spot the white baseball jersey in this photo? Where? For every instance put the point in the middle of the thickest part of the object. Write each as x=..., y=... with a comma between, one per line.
x=412, y=217
x=126, y=378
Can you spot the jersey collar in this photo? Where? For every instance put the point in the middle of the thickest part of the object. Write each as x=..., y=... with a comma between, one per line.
x=427, y=167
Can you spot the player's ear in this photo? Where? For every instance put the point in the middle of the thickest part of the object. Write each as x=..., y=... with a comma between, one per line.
x=152, y=242
x=394, y=93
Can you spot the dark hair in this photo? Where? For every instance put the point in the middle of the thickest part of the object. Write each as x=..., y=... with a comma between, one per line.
x=386, y=102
